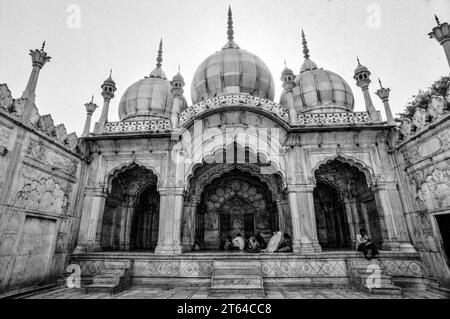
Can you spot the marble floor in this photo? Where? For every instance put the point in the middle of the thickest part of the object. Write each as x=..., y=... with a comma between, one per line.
x=203, y=293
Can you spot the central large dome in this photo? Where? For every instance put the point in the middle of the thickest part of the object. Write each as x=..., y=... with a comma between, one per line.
x=232, y=70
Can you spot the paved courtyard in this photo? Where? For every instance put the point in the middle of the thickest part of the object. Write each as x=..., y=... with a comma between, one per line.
x=203, y=292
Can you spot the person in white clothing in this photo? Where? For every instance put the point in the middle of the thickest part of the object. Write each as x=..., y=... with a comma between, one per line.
x=239, y=242
x=364, y=244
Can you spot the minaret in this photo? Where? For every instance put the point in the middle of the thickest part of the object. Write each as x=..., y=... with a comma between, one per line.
x=287, y=77
x=177, y=90
x=383, y=94
x=441, y=33
x=362, y=77
x=39, y=58
x=108, y=90
x=90, y=109
x=230, y=32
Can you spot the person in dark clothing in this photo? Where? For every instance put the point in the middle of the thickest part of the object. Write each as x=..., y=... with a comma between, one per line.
x=261, y=241
x=286, y=244
x=364, y=244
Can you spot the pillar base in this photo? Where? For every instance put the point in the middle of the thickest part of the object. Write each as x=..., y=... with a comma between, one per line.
x=391, y=246
x=407, y=248
x=168, y=249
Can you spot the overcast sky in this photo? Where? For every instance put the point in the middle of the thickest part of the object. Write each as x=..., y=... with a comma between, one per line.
x=389, y=36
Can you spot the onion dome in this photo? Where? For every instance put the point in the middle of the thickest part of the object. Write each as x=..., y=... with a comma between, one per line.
x=319, y=90
x=232, y=71
x=149, y=98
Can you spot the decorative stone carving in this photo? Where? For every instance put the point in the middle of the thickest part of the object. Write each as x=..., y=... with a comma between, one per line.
x=419, y=118
x=334, y=118
x=137, y=126
x=17, y=107
x=436, y=106
x=435, y=191
x=233, y=100
x=406, y=127
x=46, y=125
x=5, y=96
x=72, y=141
x=44, y=155
x=42, y=194
x=61, y=133
x=447, y=97
x=34, y=117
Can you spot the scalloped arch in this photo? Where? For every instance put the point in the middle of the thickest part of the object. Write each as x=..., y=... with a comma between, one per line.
x=113, y=173
x=352, y=161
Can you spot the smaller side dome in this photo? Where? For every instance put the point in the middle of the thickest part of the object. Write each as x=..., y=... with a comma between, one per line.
x=149, y=98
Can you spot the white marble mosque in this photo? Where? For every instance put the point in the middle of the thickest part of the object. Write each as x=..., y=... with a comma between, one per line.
x=127, y=200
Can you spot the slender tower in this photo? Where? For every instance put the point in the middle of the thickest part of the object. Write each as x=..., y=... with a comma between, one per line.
x=362, y=77
x=39, y=58
x=383, y=94
x=287, y=77
x=177, y=91
x=90, y=109
x=441, y=33
x=108, y=90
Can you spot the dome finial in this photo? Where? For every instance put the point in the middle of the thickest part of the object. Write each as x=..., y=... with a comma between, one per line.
x=437, y=20
x=43, y=46
x=357, y=59
x=305, y=46
x=381, y=85
x=159, y=59
x=230, y=31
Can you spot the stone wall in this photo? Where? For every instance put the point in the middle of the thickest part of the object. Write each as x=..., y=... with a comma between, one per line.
x=39, y=168
x=422, y=154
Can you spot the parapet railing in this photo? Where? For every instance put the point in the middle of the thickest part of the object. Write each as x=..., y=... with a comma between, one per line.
x=234, y=100
x=334, y=118
x=138, y=126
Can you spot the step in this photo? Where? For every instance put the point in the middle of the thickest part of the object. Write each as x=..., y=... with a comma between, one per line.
x=106, y=281
x=230, y=264
x=238, y=283
x=237, y=272
x=384, y=290
x=113, y=272
x=257, y=293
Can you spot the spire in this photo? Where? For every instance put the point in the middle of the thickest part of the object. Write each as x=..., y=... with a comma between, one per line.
x=305, y=46
x=43, y=46
x=159, y=59
x=357, y=59
x=158, y=72
x=308, y=65
x=437, y=20
x=230, y=31
x=381, y=85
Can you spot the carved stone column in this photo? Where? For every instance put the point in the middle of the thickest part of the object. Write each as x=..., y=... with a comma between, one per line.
x=304, y=230
x=129, y=211
x=190, y=210
x=352, y=217
x=170, y=213
x=89, y=238
x=392, y=219
x=281, y=220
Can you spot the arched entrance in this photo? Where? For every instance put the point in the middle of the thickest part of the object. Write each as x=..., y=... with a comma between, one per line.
x=225, y=199
x=235, y=203
x=131, y=216
x=344, y=204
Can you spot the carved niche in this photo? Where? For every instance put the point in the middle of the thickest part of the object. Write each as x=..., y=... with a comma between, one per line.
x=42, y=194
x=434, y=193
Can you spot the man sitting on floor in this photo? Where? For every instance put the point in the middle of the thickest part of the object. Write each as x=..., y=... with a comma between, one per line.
x=365, y=244
x=286, y=244
x=239, y=242
x=253, y=245
x=261, y=241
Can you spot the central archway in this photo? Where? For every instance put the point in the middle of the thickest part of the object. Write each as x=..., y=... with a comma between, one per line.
x=235, y=203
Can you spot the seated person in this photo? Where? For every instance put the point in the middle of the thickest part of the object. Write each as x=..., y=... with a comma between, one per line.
x=274, y=242
x=261, y=241
x=229, y=244
x=253, y=245
x=365, y=244
x=285, y=245
x=239, y=242
x=196, y=246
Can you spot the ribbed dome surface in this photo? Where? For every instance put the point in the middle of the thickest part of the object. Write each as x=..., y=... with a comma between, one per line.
x=149, y=98
x=232, y=70
x=322, y=90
